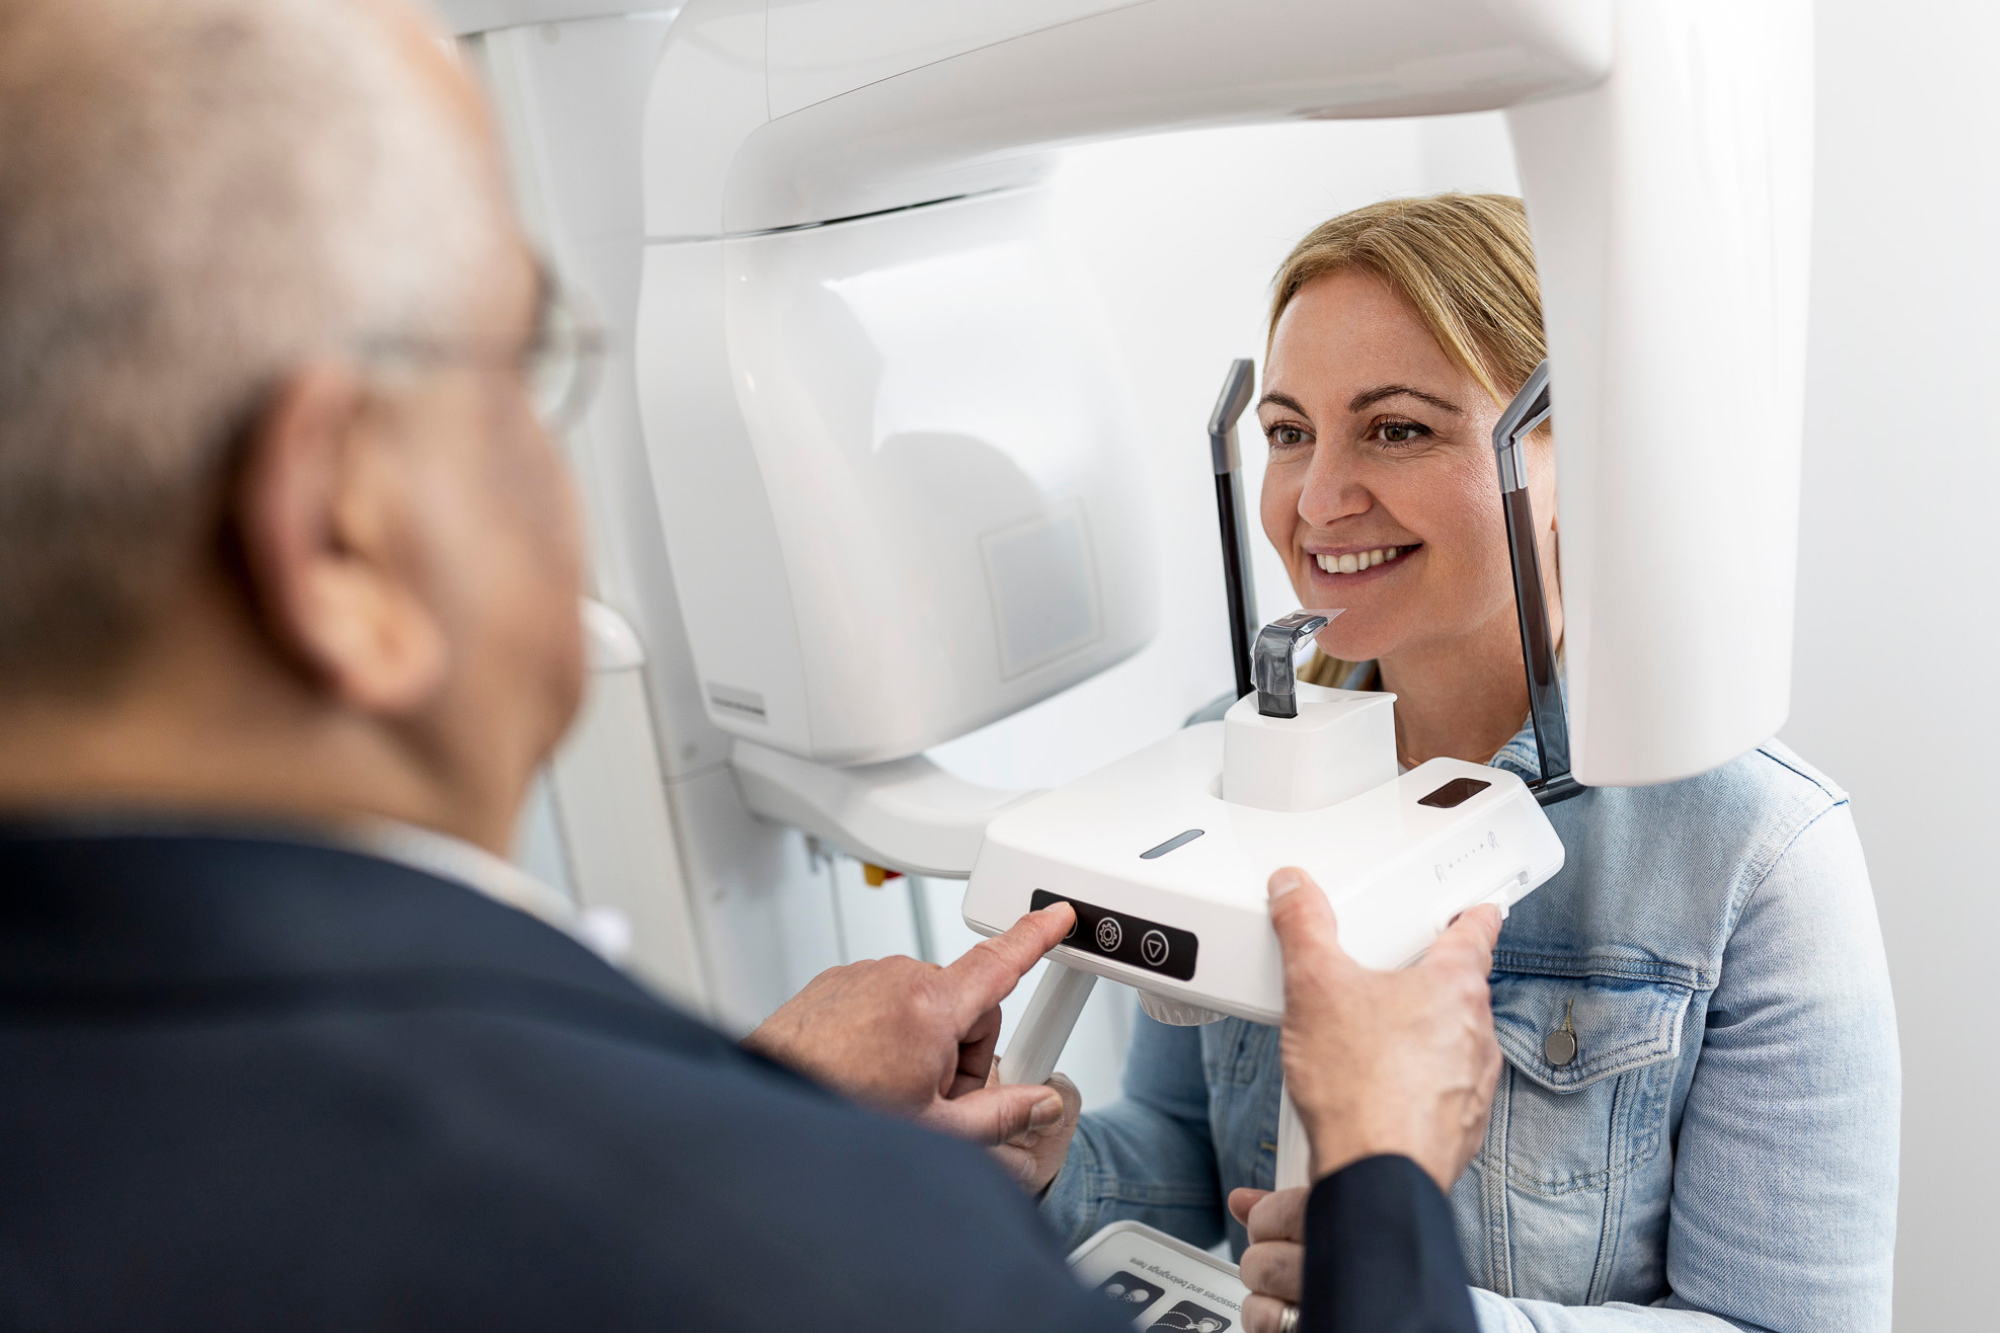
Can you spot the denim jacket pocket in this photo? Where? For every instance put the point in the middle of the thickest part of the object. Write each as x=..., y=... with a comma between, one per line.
x=1590, y=1106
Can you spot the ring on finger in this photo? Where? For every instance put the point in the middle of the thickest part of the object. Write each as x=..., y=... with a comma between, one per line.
x=1288, y=1319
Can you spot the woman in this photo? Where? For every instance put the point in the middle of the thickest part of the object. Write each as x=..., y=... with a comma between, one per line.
x=1699, y=1110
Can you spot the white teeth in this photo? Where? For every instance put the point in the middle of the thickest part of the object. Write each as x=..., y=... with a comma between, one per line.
x=1355, y=562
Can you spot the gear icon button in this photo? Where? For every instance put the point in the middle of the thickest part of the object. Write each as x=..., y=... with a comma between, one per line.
x=1110, y=934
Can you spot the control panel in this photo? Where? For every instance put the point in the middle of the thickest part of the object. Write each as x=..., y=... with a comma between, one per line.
x=1124, y=938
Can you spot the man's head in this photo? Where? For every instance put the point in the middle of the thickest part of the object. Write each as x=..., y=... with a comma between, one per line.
x=278, y=528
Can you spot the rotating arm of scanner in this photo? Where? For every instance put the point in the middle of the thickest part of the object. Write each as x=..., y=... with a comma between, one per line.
x=907, y=814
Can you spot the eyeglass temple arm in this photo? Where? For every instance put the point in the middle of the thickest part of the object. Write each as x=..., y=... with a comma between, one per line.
x=1529, y=409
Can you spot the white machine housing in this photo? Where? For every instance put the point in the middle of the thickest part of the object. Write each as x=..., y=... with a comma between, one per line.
x=1181, y=837
x=1342, y=743
x=898, y=474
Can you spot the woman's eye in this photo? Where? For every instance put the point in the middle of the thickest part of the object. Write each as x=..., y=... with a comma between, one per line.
x=1286, y=437
x=1400, y=432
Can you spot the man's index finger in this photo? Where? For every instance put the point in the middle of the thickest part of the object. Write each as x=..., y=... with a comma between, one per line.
x=990, y=969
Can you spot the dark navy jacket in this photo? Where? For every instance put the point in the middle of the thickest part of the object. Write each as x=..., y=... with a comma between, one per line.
x=248, y=1083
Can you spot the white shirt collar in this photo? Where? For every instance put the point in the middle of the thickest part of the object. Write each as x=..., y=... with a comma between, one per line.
x=605, y=931
x=454, y=859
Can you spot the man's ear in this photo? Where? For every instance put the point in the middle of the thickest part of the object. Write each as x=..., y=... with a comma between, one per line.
x=322, y=507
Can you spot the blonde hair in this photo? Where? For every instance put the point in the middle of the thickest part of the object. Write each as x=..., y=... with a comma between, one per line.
x=1465, y=264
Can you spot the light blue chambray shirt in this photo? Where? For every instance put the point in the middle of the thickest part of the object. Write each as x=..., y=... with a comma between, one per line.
x=1722, y=1149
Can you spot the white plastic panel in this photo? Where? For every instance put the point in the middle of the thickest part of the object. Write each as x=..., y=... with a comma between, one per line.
x=465, y=17
x=822, y=48
x=1671, y=211
x=765, y=910
x=707, y=96
x=1341, y=743
x=722, y=540
x=622, y=848
x=570, y=101
x=951, y=126
x=938, y=421
x=906, y=814
x=1044, y=588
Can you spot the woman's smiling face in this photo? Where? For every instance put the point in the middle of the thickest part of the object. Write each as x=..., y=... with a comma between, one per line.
x=1381, y=492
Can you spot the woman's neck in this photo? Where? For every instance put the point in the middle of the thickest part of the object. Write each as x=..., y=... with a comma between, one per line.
x=1460, y=700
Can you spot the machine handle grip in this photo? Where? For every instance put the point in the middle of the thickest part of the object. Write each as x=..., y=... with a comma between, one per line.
x=1044, y=1031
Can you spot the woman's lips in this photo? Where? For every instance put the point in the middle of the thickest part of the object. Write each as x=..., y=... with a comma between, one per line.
x=1351, y=568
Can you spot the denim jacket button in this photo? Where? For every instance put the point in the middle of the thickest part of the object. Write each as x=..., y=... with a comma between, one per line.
x=1560, y=1047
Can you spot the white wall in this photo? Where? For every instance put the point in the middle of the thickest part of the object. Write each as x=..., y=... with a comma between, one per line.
x=1899, y=559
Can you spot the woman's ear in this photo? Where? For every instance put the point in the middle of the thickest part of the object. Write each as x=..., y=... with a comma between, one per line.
x=320, y=507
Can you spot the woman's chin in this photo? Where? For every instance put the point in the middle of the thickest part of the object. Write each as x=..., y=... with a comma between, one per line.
x=1351, y=646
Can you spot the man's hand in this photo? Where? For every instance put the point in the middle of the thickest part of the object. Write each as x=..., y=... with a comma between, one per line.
x=1386, y=1062
x=918, y=1039
x=1034, y=1157
x=1274, y=1265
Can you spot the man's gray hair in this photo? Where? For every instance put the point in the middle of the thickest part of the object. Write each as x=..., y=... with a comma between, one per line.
x=195, y=196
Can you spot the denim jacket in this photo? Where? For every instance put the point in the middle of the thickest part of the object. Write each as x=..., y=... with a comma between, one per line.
x=1721, y=1148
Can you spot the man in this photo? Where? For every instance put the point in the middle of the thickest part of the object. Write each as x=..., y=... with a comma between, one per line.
x=288, y=581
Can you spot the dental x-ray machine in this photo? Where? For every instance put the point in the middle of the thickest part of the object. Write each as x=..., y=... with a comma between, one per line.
x=1292, y=775
x=874, y=441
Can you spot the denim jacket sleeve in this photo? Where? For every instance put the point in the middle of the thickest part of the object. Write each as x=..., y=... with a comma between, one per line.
x=1785, y=1172
x=1149, y=1157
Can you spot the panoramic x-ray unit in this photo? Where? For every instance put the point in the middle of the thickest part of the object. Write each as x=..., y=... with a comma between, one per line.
x=1292, y=775
x=875, y=434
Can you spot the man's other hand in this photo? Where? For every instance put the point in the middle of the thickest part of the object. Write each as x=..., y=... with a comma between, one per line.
x=1386, y=1062
x=1274, y=1264
x=918, y=1039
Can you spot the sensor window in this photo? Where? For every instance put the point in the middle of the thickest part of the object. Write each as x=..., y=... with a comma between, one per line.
x=1178, y=840
x=1454, y=793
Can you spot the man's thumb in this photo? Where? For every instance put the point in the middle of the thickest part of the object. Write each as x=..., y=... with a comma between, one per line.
x=1308, y=936
x=999, y=1112
x=1469, y=941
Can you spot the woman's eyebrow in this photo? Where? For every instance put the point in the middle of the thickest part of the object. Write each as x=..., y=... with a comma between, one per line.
x=1285, y=401
x=1369, y=397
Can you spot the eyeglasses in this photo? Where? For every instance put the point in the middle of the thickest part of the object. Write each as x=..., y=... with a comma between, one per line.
x=560, y=364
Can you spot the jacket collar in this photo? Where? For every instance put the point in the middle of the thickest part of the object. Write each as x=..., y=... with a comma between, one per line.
x=88, y=904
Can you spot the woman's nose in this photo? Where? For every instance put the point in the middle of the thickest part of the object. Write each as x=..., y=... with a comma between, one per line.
x=1332, y=490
